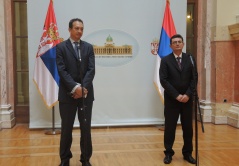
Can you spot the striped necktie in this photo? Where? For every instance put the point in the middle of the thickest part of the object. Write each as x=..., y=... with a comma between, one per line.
x=179, y=62
x=77, y=50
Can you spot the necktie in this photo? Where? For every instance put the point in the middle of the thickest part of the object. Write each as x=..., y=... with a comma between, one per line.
x=77, y=51
x=179, y=62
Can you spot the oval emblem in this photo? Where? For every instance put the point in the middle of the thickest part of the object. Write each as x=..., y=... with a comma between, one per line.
x=113, y=48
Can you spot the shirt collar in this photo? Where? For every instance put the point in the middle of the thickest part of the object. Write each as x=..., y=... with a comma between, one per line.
x=177, y=55
x=72, y=41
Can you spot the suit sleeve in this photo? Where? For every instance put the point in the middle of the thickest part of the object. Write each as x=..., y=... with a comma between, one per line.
x=163, y=75
x=65, y=77
x=90, y=73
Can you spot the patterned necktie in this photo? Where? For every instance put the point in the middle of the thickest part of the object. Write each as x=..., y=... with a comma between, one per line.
x=179, y=62
x=76, y=50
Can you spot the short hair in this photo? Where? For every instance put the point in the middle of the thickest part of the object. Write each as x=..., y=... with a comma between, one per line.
x=73, y=20
x=176, y=36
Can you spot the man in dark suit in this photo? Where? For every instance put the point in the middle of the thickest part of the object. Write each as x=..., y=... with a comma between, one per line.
x=76, y=66
x=177, y=79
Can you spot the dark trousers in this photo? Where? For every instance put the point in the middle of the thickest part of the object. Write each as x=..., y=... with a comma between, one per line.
x=67, y=113
x=171, y=113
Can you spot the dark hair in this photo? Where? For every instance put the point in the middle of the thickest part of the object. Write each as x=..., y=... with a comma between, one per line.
x=176, y=36
x=73, y=20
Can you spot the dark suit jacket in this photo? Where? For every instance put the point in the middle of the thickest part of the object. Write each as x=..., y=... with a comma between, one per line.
x=70, y=68
x=174, y=80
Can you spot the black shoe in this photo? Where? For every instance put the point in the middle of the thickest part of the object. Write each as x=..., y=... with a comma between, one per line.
x=65, y=163
x=190, y=159
x=86, y=163
x=167, y=159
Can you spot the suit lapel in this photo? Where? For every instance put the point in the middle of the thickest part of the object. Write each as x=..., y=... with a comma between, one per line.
x=82, y=50
x=70, y=48
x=184, y=60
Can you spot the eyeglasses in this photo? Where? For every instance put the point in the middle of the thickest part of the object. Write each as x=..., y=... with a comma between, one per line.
x=177, y=42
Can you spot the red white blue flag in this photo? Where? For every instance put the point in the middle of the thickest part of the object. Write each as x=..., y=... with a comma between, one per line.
x=167, y=31
x=46, y=75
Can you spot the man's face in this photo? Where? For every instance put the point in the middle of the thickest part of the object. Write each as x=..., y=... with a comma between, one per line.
x=76, y=31
x=177, y=44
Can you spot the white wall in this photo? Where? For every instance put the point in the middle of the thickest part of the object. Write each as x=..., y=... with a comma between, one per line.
x=227, y=12
x=124, y=94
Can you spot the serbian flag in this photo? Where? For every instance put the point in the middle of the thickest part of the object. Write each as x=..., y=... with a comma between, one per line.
x=167, y=31
x=46, y=75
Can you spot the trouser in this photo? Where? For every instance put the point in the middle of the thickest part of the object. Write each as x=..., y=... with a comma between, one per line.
x=67, y=113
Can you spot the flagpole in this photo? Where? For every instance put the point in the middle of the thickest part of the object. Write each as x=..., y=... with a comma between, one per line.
x=50, y=32
x=53, y=131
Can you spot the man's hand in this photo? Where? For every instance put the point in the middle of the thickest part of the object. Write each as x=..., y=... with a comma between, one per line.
x=184, y=99
x=78, y=92
x=76, y=96
x=179, y=98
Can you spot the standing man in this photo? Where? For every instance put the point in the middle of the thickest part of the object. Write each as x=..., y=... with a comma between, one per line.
x=76, y=66
x=177, y=80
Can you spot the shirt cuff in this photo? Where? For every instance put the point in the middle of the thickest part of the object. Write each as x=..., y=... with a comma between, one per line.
x=74, y=89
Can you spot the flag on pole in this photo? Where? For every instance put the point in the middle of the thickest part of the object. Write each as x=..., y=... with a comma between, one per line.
x=167, y=31
x=46, y=75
